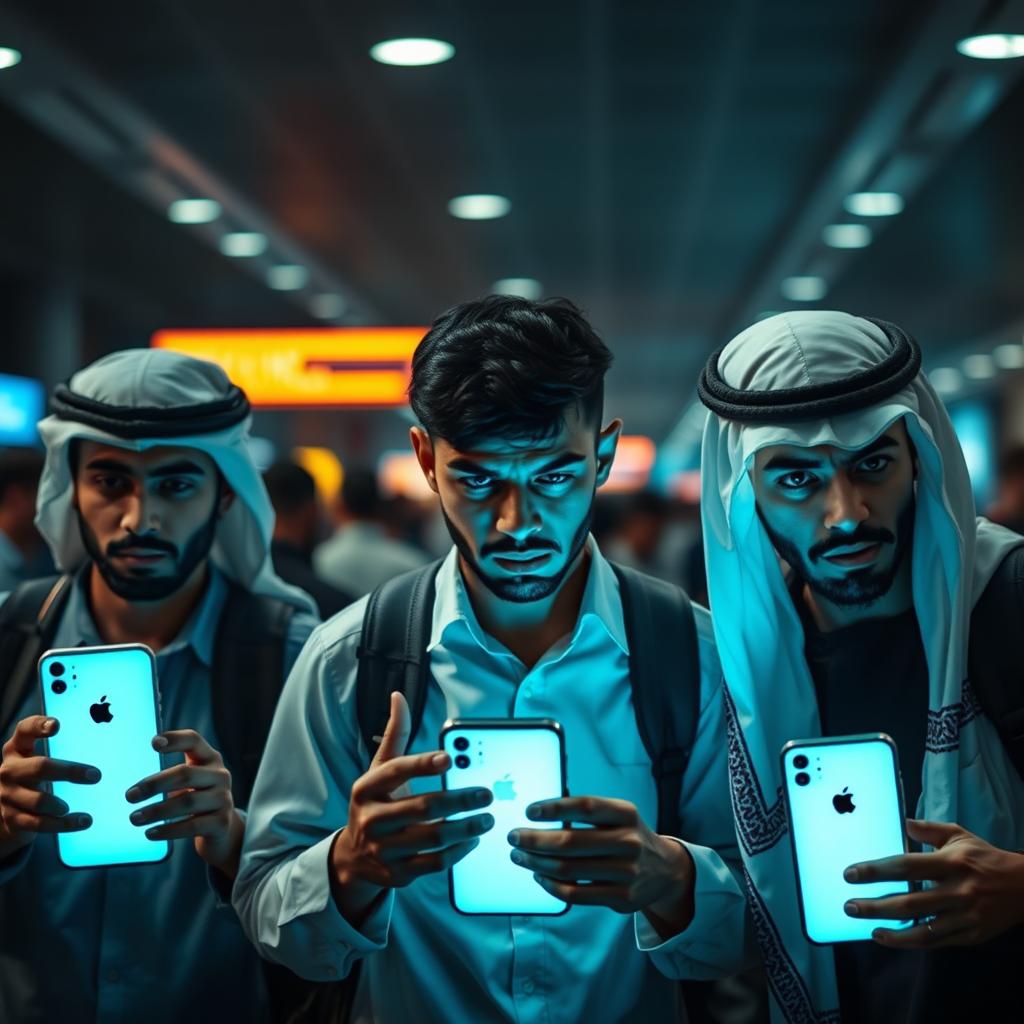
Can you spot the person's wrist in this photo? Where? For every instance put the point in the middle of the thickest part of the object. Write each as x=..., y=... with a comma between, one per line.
x=673, y=910
x=353, y=896
x=225, y=856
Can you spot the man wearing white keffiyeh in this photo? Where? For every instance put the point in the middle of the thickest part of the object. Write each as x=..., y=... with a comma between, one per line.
x=837, y=506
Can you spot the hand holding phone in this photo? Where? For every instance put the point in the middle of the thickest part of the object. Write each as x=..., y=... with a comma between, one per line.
x=845, y=805
x=391, y=837
x=26, y=805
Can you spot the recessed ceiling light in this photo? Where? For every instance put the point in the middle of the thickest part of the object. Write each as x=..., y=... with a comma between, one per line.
x=193, y=211
x=946, y=380
x=806, y=288
x=992, y=46
x=847, y=236
x=524, y=287
x=980, y=366
x=287, y=277
x=479, y=207
x=327, y=306
x=9, y=57
x=1009, y=357
x=412, y=53
x=243, y=243
x=874, y=204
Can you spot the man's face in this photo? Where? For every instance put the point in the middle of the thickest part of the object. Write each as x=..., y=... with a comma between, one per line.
x=147, y=519
x=518, y=512
x=843, y=520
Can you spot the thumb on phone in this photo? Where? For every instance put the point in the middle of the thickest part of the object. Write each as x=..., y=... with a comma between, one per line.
x=396, y=735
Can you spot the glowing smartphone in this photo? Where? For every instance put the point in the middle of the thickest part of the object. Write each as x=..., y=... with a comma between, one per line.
x=106, y=701
x=521, y=761
x=845, y=803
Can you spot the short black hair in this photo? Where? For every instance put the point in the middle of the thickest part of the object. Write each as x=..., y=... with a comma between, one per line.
x=19, y=467
x=360, y=494
x=507, y=367
x=290, y=487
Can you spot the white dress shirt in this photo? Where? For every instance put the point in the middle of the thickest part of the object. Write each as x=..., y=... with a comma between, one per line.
x=422, y=961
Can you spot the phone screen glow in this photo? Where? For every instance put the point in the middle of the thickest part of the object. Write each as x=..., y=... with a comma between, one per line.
x=520, y=765
x=105, y=699
x=848, y=810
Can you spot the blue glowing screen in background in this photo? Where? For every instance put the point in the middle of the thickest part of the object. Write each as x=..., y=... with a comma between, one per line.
x=974, y=424
x=21, y=407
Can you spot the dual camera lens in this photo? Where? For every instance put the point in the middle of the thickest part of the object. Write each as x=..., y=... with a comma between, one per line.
x=58, y=685
x=461, y=743
x=800, y=761
x=462, y=761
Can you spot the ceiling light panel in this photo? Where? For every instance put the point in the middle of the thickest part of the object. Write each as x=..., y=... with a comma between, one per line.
x=523, y=287
x=287, y=277
x=946, y=380
x=479, y=207
x=242, y=244
x=874, y=204
x=847, y=236
x=992, y=46
x=9, y=57
x=1009, y=357
x=979, y=366
x=412, y=53
x=194, y=211
x=806, y=288
x=327, y=306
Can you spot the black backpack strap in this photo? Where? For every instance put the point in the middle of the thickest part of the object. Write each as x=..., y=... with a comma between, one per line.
x=28, y=623
x=248, y=674
x=392, y=651
x=993, y=660
x=664, y=672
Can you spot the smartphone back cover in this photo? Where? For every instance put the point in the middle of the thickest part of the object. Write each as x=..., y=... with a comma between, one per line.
x=849, y=811
x=108, y=714
x=520, y=766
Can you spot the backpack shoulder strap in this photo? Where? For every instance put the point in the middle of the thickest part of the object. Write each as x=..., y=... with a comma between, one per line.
x=664, y=673
x=248, y=674
x=392, y=651
x=993, y=660
x=28, y=623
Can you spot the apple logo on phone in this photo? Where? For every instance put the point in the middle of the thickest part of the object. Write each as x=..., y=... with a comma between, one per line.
x=843, y=802
x=100, y=711
x=504, y=789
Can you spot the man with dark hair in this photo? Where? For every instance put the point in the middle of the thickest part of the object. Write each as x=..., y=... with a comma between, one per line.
x=346, y=855
x=22, y=551
x=361, y=556
x=297, y=518
x=160, y=524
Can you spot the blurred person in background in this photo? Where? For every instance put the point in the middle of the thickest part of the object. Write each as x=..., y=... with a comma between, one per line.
x=298, y=521
x=361, y=555
x=158, y=518
x=23, y=553
x=1008, y=508
x=637, y=539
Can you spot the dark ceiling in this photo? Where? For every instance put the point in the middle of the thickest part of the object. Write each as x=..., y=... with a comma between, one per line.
x=656, y=155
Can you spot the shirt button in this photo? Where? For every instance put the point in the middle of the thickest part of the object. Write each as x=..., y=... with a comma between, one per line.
x=332, y=971
x=528, y=986
x=113, y=975
x=528, y=692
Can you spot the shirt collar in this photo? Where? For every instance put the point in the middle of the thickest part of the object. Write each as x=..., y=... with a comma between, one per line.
x=601, y=604
x=199, y=631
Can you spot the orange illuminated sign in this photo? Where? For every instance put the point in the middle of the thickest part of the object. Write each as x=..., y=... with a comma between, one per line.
x=324, y=366
x=634, y=457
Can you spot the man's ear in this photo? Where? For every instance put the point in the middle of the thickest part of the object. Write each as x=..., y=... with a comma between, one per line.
x=424, y=450
x=226, y=499
x=607, y=442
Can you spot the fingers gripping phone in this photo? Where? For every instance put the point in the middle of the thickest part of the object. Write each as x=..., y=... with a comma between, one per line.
x=107, y=704
x=845, y=804
x=521, y=761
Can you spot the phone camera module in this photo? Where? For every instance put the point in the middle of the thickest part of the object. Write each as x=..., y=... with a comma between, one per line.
x=462, y=761
x=461, y=743
x=56, y=668
x=800, y=761
x=802, y=778
x=58, y=686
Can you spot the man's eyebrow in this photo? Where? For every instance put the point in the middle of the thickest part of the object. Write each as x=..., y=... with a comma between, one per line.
x=110, y=465
x=791, y=461
x=464, y=465
x=183, y=467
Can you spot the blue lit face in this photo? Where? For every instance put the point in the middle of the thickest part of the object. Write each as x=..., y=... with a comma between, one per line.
x=841, y=519
x=148, y=518
x=519, y=512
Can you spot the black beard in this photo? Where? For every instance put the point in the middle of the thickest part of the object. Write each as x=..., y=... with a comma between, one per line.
x=856, y=589
x=521, y=589
x=143, y=587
